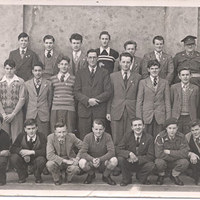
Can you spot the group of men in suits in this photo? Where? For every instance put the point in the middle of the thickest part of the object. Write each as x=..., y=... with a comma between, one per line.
x=81, y=89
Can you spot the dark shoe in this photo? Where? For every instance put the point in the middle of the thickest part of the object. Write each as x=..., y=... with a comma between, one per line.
x=30, y=169
x=2, y=183
x=81, y=173
x=116, y=171
x=89, y=178
x=176, y=180
x=123, y=183
x=39, y=180
x=22, y=180
x=160, y=180
x=59, y=182
x=45, y=171
x=108, y=180
x=147, y=182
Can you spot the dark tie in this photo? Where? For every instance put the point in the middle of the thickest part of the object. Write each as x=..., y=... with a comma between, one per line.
x=92, y=73
x=104, y=52
x=38, y=83
x=49, y=54
x=22, y=53
x=62, y=78
x=155, y=81
x=137, y=142
x=98, y=139
x=31, y=143
x=125, y=79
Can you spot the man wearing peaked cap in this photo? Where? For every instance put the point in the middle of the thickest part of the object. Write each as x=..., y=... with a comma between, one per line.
x=189, y=39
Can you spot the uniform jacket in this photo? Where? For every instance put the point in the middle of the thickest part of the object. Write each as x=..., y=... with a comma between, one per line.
x=24, y=66
x=38, y=104
x=151, y=102
x=166, y=66
x=123, y=97
x=145, y=152
x=53, y=147
x=85, y=89
x=178, y=146
x=136, y=66
x=176, y=96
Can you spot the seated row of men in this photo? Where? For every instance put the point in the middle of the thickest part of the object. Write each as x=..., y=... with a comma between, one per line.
x=137, y=152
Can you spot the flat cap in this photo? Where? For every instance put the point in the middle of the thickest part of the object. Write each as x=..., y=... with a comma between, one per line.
x=170, y=121
x=189, y=39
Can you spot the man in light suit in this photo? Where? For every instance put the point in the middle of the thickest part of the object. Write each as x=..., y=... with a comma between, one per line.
x=165, y=60
x=121, y=107
x=49, y=57
x=131, y=47
x=23, y=57
x=153, y=100
x=78, y=58
x=92, y=90
x=60, y=154
x=184, y=100
x=38, y=99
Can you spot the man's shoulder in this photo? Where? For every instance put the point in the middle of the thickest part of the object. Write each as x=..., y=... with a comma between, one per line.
x=180, y=54
x=14, y=51
x=114, y=53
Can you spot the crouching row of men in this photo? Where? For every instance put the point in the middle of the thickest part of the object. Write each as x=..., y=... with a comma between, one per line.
x=136, y=152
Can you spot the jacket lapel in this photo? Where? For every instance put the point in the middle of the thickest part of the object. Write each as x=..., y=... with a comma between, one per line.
x=57, y=145
x=130, y=81
x=43, y=86
x=33, y=86
x=149, y=84
x=179, y=90
x=120, y=79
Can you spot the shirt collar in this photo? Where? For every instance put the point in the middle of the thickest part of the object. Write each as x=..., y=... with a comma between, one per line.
x=36, y=81
x=123, y=73
x=15, y=78
x=90, y=68
x=25, y=50
x=107, y=50
x=66, y=75
x=158, y=53
x=185, y=85
x=46, y=52
x=33, y=138
x=76, y=53
x=152, y=79
x=137, y=136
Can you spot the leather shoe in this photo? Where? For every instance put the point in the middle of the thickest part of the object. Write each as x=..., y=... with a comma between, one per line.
x=108, y=180
x=147, y=182
x=39, y=180
x=59, y=182
x=176, y=180
x=160, y=180
x=123, y=183
x=89, y=178
x=22, y=180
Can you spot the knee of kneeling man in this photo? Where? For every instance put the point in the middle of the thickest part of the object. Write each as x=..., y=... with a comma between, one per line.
x=112, y=163
x=82, y=163
x=50, y=165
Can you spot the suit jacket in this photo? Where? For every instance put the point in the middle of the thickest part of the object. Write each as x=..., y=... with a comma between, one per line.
x=166, y=66
x=38, y=104
x=53, y=147
x=99, y=88
x=24, y=66
x=145, y=152
x=136, y=66
x=55, y=57
x=151, y=102
x=176, y=99
x=79, y=64
x=123, y=97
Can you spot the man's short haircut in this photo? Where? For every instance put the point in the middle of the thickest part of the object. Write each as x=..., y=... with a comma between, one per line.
x=30, y=122
x=63, y=58
x=23, y=35
x=40, y=64
x=195, y=123
x=48, y=37
x=76, y=36
x=158, y=37
x=59, y=125
x=125, y=54
x=136, y=119
x=99, y=122
x=91, y=51
x=10, y=62
x=184, y=68
x=130, y=42
x=104, y=33
x=153, y=63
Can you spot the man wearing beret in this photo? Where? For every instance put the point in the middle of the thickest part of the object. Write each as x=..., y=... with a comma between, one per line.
x=171, y=152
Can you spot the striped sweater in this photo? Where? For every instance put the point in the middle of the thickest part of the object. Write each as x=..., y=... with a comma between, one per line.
x=63, y=93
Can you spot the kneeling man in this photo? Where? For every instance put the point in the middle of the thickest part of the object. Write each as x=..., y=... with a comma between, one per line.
x=136, y=153
x=98, y=152
x=61, y=156
x=171, y=151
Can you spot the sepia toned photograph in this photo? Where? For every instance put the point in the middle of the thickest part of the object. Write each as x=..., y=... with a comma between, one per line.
x=100, y=99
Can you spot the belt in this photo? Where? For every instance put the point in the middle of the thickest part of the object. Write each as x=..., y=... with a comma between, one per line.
x=195, y=74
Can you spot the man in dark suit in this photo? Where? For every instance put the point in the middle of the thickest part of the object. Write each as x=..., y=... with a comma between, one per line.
x=193, y=139
x=23, y=57
x=136, y=153
x=165, y=60
x=121, y=108
x=92, y=90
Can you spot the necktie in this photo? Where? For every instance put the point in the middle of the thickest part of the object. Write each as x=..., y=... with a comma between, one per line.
x=158, y=56
x=92, y=73
x=104, y=52
x=155, y=81
x=62, y=78
x=22, y=53
x=31, y=143
x=49, y=54
x=137, y=142
x=98, y=139
x=38, y=83
x=125, y=79
x=75, y=57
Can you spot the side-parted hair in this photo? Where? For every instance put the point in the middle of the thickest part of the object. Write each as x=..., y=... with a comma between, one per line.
x=40, y=64
x=23, y=35
x=137, y=119
x=91, y=51
x=130, y=42
x=48, y=37
x=10, y=62
x=99, y=122
x=105, y=33
x=125, y=54
x=158, y=37
x=64, y=58
x=184, y=68
x=30, y=122
x=76, y=36
x=195, y=123
x=59, y=125
x=153, y=63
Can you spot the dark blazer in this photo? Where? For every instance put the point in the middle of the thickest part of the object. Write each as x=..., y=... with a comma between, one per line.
x=24, y=66
x=123, y=97
x=85, y=88
x=145, y=152
x=193, y=147
x=176, y=96
x=166, y=66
